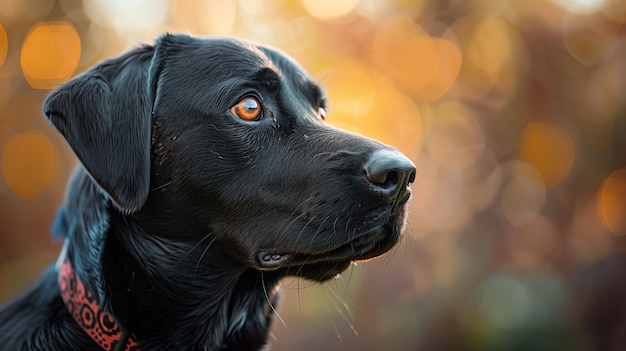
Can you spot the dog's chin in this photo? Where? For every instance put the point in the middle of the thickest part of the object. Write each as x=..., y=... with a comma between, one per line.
x=326, y=264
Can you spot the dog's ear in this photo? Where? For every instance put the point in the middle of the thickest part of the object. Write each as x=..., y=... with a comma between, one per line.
x=105, y=116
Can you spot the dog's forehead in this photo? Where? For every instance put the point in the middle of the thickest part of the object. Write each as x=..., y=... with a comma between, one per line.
x=236, y=50
x=215, y=69
x=236, y=56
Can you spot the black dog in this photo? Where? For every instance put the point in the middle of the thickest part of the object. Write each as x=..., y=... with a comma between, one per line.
x=208, y=174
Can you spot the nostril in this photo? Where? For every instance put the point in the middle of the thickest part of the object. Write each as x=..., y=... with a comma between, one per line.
x=412, y=176
x=380, y=176
x=391, y=180
x=389, y=172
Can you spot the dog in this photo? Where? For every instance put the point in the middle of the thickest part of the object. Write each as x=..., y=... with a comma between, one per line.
x=207, y=174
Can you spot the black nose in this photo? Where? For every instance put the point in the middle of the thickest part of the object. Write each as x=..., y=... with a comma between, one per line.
x=389, y=173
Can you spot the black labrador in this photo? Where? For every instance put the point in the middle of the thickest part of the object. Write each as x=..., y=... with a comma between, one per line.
x=207, y=175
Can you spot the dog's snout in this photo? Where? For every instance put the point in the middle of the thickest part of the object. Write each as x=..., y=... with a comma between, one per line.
x=389, y=172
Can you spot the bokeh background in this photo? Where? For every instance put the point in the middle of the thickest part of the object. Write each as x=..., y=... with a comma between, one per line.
x=513, y=110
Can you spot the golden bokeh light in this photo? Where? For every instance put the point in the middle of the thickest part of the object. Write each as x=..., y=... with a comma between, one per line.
x=615, y=10
x=4, y=44
x=549, y=148
x=5, y=135
x=213, y=17
x=348, y=88
x=588, y=38
x=385, y=117
x=388, y=42
x=274, y=7
x=612, y=202
x=24, y=11
x=484, y=181
x=488, y=48
x=128, y=18
x=329, y=9
x=534, y=14
x=50, y=54
x=580, y=6
x=419, y=62
x=429, y=66
x=29, y=161
x=455, y=139
x=488, y=60
x=429, y=179
x=438, y=203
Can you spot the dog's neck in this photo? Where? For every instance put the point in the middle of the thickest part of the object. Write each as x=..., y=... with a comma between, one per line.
x=170, y=294
x=189, y=291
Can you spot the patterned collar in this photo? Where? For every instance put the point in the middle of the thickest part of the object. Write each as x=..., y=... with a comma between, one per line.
x=100, y=325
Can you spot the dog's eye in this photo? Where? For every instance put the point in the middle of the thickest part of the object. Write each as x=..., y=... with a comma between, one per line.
x=248, y=108
x=322, y=112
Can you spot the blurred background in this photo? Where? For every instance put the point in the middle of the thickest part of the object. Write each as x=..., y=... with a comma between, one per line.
x=514, y=112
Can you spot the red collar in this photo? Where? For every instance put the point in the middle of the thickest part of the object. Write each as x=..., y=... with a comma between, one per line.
x=100, y=325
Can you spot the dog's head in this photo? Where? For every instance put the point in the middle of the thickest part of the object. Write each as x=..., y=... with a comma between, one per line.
x=193, y=138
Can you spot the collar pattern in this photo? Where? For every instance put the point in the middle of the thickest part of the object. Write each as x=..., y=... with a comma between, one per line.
x=100, y=325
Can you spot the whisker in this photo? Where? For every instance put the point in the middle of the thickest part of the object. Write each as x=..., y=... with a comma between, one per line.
x=407, y=245
x=410, y=229
x=388, y=258
x=352, y=240
x=193, y=247
x=270, y=302
x=347, y=225
x=301, y=283
x=284, y=230
x=335, y=226
x=206, y=249
x=349, y=278
x=302, y=230
x=344, y=310
x=300, y=298
x=321, y=154
x=335, y=327
x=319, y=229
x=161, y=186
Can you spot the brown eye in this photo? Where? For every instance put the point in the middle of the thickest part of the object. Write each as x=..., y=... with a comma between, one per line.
x=248, y=108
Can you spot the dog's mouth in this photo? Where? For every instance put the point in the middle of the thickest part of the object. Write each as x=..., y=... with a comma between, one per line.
x=381, y=233
x=325, y=265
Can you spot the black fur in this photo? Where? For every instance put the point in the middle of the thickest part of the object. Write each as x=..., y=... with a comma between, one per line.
x=183, y=218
